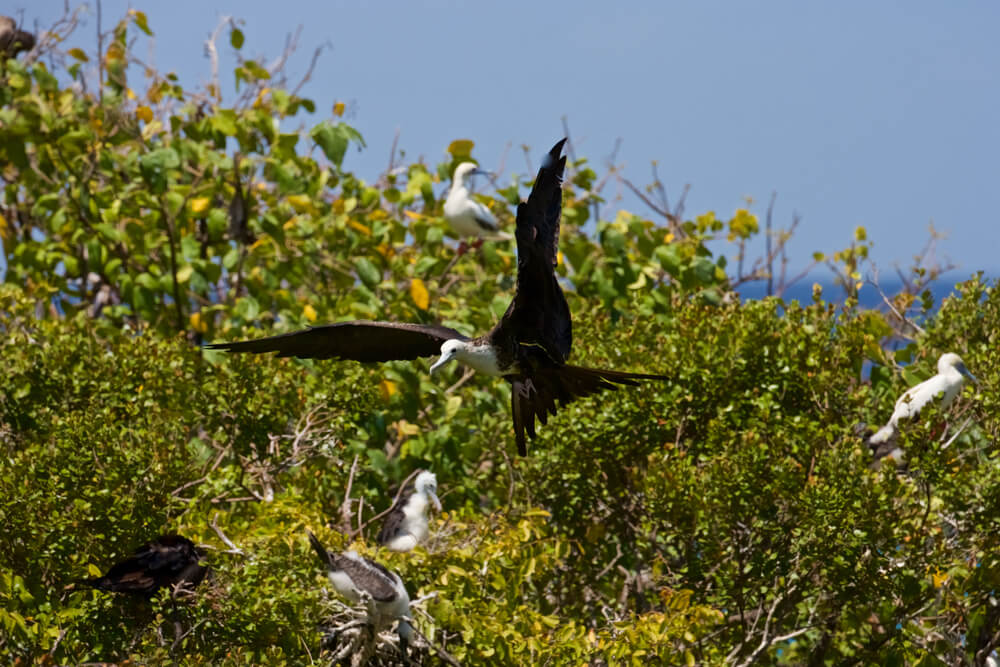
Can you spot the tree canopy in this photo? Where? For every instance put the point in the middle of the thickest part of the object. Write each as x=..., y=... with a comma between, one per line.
x=728, y=516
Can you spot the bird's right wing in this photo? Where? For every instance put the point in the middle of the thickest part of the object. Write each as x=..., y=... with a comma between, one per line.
x=359, y=340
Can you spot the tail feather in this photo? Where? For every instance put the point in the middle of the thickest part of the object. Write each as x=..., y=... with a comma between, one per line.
x=320, y=550
x=540, y=394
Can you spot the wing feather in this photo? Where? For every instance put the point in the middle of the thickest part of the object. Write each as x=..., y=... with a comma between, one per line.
x=546, y=389
x=539, y=314
x=359, y=340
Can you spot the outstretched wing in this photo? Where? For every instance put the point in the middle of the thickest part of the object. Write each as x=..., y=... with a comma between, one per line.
x=358, y=341
x=536, y=395
x=539, y=314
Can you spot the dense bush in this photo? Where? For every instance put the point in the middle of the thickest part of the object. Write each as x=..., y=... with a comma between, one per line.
x=728, y=515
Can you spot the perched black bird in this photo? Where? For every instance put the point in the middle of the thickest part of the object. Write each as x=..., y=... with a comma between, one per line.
x=12, y=40
x=169, y=560
x=528, y=347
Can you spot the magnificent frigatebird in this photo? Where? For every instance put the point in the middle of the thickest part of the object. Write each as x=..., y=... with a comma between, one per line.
x=356, y=577
x=406, y=524
x=528, y=347
x=946, y=384
x=169, y=560
x=467, y=216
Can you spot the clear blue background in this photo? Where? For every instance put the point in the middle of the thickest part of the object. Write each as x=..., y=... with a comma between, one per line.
x=882, y=114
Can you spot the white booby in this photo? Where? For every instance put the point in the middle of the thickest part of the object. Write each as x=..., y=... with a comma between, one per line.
x=528, y=347
x=946, y=384
x=357, y=578
x=406, y=524
x=467, y=216
x=168, y=561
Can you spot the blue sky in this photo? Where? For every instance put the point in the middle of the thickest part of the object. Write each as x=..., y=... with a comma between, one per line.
x=855, y=113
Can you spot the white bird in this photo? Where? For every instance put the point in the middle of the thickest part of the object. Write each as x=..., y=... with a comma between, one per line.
x=946, y=384
x=406, y=524
x=358, y=578
x=467, y=216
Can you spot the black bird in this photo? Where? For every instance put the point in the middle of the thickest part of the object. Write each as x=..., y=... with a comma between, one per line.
x=528, y=347
x=12, y=40
x=169, y=560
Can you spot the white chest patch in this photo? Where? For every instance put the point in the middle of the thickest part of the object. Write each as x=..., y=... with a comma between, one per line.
x=480, y=358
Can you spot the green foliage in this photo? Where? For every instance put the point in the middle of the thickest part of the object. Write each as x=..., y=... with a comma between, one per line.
x=728, y=515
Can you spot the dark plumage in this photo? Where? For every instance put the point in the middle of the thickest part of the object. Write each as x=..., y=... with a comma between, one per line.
x=12, y=40
x=169, y=560
x=359, y=340
x=528, y=347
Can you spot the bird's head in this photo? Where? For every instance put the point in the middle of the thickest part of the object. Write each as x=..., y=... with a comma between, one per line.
x=449, y=350
x=427, y=484
x=950, y=360
x=466, y=169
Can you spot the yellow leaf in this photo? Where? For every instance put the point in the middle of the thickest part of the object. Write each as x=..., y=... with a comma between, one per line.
x=559, y=258
x=418, y=291
x=414, y=215
x=309, y=312
x=361, y=228
x=197, y=323
x=387, y=388
x=78, y=54
x=338, y=109
x=292, y=221
x=461, y=147
x=301, y=203
x=199, y=204
x=406, y=428
x=129, y=93
x=668, y=238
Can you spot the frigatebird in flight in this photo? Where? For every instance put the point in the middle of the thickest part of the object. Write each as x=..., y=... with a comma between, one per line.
x=528, y=347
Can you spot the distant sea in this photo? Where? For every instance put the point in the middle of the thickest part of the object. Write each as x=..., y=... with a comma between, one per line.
x=868, y=297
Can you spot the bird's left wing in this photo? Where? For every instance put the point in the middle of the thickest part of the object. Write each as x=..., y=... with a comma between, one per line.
x=359, y=340
x=539, y=314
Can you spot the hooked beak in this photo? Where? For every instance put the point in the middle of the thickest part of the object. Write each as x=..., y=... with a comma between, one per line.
x=435, y=501
x=965, y=371
x=481, y=172
x=439, y=363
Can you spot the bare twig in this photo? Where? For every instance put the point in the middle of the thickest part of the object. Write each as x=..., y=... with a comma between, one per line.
x=233, y=549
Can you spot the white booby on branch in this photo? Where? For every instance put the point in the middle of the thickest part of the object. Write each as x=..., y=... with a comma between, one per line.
x=358, y=578
x=467, y=216
x=528, y=347
x=946, y=384
x=406, y=524
x=168, y=561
